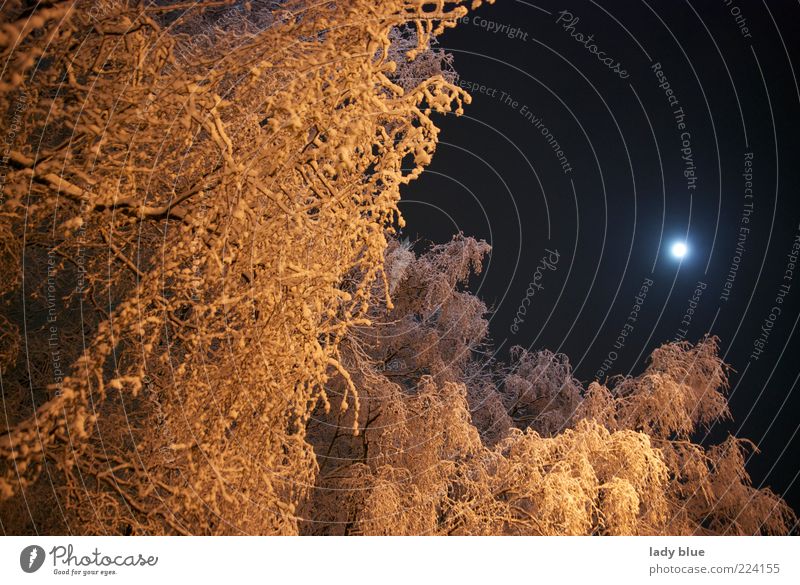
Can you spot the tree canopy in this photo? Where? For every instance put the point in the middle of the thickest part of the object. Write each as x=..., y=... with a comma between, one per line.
x=209, y=327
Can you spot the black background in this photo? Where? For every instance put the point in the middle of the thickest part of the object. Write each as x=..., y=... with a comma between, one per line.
x=495, y=177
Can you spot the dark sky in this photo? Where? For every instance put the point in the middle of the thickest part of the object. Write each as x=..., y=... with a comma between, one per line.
x=574, y=145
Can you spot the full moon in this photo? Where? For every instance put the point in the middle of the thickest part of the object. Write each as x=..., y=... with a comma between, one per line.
x=679, y=249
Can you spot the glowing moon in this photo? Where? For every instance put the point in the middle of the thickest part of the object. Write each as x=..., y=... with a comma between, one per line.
x=679, y=249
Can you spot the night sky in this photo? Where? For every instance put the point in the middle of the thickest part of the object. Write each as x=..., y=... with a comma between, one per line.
x=582, y=159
